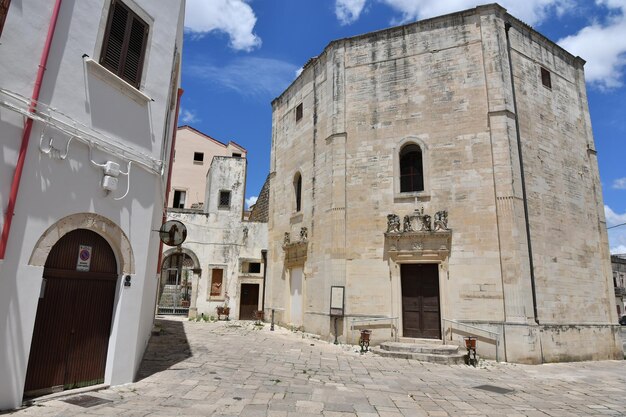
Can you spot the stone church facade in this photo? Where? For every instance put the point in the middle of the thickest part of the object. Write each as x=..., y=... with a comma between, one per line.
x=444, y=174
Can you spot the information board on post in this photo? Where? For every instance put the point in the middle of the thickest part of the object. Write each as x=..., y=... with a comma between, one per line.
x=337, y=301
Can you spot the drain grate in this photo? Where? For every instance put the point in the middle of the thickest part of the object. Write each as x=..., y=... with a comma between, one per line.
x=86, y=401
x=493, y=388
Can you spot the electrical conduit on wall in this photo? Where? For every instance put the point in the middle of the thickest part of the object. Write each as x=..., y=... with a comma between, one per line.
x=28, y=125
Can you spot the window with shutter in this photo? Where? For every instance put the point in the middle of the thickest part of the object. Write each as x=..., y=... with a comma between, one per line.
x=124, y=46
x=4, y=10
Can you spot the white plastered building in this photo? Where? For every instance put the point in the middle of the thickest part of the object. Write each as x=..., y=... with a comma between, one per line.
x=222, y=261
x=88, y=101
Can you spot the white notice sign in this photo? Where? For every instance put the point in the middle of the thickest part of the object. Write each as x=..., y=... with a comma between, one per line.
x=84, y=258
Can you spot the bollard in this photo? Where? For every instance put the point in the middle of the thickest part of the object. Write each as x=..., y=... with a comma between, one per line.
x=364, y=341
x=470, y=344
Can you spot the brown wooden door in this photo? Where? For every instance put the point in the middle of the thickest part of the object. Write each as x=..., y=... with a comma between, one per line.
x=420, y=301
x=74, y=312
x=249, y=302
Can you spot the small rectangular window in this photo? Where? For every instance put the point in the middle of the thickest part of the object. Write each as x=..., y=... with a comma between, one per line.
x=217, y=279
x=179, y=199
x=299, y=112
x=4, y=10
x=236, y=155
x=224, y=199
x=545, y=78
x=124, y=44
x=198, y=157
x=252, y=267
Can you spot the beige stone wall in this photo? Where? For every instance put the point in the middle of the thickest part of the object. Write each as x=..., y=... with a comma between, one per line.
x=568, y=230
x=444, y=84
x=219, y=238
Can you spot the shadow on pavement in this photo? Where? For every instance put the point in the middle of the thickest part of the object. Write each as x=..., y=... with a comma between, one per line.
x=164, y=350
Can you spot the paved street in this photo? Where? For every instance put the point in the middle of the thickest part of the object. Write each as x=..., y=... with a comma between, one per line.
x=232, y=368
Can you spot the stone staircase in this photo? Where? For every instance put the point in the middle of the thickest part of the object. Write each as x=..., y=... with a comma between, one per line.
x=425, y=350
x=170, y=301
x=169, y=295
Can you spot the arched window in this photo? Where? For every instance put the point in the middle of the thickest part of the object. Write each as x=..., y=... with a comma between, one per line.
x=411, y=168
x=297, y=188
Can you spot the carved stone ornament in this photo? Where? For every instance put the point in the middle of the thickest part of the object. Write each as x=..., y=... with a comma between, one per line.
x=407, y=226
x=426, y=225
x=304, y=234
x=422, y=237
x=441, y=220
x=417, y=222
x=418, y=246
x=393, y=223
x=245, y=233
x=286, y=239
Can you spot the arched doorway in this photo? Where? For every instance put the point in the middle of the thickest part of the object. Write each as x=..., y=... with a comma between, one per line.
x=74, y=313
x=177, y=274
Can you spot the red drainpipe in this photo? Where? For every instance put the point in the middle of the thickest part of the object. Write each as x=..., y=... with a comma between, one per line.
x=169, y=174
x=28, y=125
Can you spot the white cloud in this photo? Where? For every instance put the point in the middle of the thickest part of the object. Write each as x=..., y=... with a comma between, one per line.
x=188, y=116
x=249, y=76
x=617, y=236
x=603, y=46
x=250, y=201
x=348, y=11
x=299, y=71
x=232, y=17
x=530, y=11
x=620, y=183
x=613, y=218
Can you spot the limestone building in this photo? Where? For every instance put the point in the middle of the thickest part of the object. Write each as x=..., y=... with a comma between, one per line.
x=618, y=264
x=444, y=174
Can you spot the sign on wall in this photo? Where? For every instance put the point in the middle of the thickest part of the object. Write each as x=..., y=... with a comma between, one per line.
x=336, y=300
x=84, y=258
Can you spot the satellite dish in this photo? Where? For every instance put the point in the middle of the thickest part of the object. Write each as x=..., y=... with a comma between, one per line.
x=173, y=233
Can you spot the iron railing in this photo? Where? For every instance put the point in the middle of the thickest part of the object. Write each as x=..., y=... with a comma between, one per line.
x=490, y=333
x=393, y=323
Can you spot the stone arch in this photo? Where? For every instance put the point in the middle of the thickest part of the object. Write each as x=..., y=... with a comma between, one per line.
x=297, y=190
x=421, y=142
x=188, y=252
x=114, y=235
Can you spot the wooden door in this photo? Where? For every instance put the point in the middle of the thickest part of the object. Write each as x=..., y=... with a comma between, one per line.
x=74, y=312
x=249, y=301
x=420, y=301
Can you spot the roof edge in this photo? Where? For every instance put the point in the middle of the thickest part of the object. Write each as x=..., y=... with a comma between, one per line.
x=225, y=145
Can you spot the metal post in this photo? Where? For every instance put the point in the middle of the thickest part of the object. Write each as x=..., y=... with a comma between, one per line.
x=336, y=342
x=272, y=325
x=497, y=347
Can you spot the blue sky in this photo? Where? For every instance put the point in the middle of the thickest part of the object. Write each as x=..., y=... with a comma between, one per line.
x=241, y=54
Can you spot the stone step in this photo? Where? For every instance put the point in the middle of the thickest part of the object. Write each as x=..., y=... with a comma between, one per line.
x=419, y=348
x=420, y=341
x=444, y=359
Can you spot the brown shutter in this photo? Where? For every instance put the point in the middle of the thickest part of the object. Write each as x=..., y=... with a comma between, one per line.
x=4, y=10
x=113, y=45
x=135, y=52
x=124, y=45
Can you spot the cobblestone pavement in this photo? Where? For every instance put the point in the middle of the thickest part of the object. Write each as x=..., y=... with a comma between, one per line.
x=235, y=369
